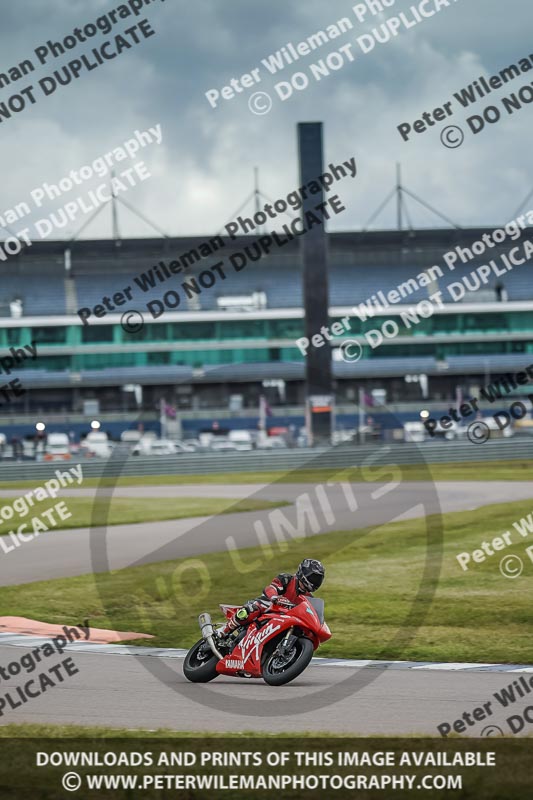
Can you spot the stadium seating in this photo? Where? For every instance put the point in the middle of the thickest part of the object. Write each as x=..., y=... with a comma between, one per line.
x=353, y=278
x=348, y=285
x=43, y=294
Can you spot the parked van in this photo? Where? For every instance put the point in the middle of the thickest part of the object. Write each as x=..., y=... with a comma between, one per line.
x=57, y=447
x=414, y=432
x=96, y=443
x=242, y=440
x=155, y=447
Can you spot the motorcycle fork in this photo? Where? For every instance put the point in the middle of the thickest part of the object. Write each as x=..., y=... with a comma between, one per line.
x=282, y=646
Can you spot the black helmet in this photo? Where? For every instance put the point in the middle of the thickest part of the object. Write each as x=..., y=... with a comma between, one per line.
x=310, y=574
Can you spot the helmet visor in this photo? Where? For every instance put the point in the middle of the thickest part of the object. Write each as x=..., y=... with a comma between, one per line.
x=311, y=580
x=315, y=580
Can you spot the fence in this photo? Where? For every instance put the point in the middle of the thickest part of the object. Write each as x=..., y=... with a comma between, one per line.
x=286, y=460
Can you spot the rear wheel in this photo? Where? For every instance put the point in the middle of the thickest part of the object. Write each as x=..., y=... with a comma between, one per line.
x=200, y=665
x=279, y=669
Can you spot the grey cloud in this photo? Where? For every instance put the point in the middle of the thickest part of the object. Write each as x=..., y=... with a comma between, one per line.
x=204, y=169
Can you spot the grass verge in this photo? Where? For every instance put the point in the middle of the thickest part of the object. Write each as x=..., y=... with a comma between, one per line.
x=373, y=577
x=460, y=471
x=34, y=731
x=86, y=512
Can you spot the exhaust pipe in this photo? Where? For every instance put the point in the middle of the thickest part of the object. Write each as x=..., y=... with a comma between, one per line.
x=206, y=626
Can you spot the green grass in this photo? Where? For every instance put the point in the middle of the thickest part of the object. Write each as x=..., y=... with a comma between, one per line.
x=462, y=471
x=35, y=731
x=375, y=604
x=87, y=512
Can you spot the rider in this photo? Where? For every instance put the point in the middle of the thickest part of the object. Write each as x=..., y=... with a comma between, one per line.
x=285, y=589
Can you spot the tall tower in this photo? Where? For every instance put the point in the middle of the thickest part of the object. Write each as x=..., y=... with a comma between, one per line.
x=314, y=255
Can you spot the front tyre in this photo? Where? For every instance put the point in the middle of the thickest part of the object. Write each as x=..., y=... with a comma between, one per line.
x=280, y=669
x=200, y=665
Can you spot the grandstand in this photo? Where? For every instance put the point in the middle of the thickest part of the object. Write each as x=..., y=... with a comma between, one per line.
x=215, y=345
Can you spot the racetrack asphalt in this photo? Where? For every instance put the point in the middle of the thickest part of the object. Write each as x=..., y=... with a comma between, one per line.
x=65, y=553
x=123, y=692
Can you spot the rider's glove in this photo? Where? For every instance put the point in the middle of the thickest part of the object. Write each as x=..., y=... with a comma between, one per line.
x=247, y=609
x=283, y=601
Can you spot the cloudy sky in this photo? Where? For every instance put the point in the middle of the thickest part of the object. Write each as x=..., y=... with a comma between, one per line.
x=203, y=170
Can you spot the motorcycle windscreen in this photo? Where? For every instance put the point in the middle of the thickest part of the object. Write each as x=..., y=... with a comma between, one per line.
x=318, y=605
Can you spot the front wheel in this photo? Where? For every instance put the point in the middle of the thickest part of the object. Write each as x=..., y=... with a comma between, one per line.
x=200, y=665
x=280, y=669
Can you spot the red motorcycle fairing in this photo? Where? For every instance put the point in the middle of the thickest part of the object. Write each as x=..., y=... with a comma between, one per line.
x=245, y=659
x=228, y=610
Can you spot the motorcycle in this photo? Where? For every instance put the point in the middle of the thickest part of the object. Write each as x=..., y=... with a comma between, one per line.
x=277, y=646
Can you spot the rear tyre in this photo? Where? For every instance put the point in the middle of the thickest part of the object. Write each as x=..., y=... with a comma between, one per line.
x=200, y=665
x=278, y=670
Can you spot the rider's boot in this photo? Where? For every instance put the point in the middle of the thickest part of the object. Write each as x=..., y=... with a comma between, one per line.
x=236, y=621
